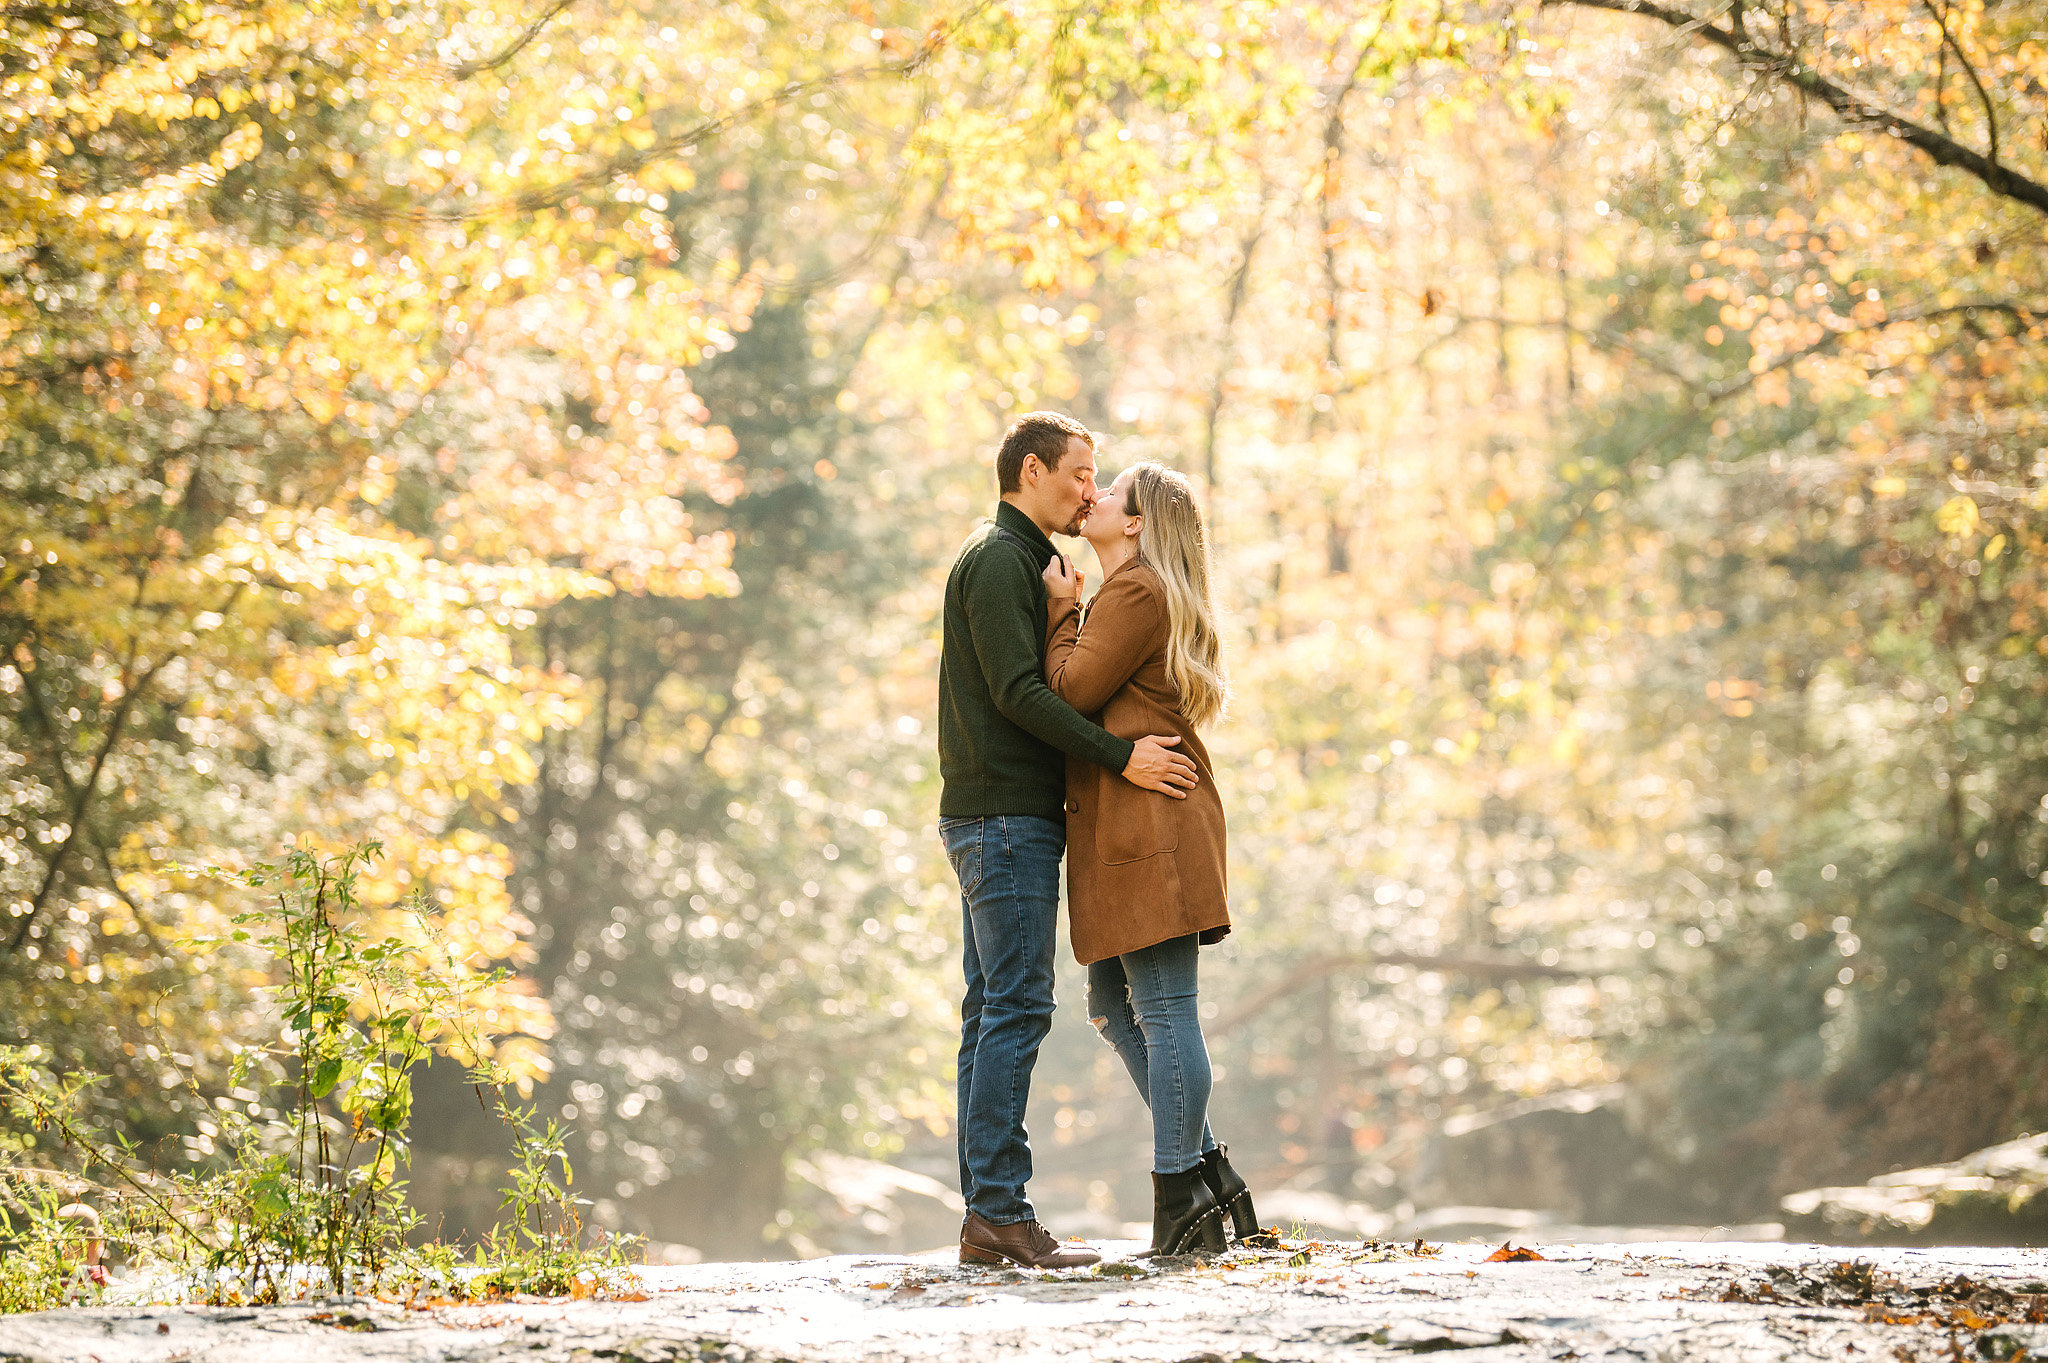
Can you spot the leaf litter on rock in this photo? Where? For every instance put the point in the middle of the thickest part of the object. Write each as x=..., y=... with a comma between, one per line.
x=1955, y=1304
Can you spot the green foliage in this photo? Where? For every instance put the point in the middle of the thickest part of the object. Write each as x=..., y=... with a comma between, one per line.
x=545, y=1247
x=737, y=955
x=321, y=1186
x=1802, y=540
x=310, y=1196
x=542, y=454
x=43, y=1254
x=350, y=414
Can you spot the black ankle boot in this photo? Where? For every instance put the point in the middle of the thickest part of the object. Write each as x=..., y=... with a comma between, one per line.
x=1185, y=1217
x=1230, y=1193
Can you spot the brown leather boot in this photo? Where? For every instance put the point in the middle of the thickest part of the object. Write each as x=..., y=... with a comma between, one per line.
x=1025, y=1243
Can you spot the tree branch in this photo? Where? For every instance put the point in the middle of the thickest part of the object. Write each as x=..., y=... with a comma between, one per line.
x=36, y=703
x=1721, y=392
x=2019, y=312
x=1851, y=108
x=131, y=689
x=1483, y=966
x=48, y=721
x=1240, y=280
x=1978, y=919
x=476, y=68
x=550, y=196
x=1990, y=115
x=1602, y=336
x=1333, y=159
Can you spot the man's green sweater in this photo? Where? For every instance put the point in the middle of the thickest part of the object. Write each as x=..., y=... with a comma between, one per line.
x=1001, y=729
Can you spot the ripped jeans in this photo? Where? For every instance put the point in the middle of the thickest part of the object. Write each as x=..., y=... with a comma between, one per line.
x=1144, y=1005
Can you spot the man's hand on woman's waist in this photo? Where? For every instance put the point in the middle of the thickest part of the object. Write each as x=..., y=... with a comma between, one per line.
x=1155, y=766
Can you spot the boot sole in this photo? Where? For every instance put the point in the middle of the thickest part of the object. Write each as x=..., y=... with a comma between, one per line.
x=970, y=1254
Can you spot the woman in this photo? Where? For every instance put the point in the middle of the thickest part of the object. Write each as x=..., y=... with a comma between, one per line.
x=1145, y=873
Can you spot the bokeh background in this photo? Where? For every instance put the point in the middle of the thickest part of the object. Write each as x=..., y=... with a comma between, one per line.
x=535, y=437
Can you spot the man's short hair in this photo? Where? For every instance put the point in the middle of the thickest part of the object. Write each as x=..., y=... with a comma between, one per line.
x=1044, y=434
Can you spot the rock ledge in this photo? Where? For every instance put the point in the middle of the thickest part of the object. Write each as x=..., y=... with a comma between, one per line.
x=1303, y=1302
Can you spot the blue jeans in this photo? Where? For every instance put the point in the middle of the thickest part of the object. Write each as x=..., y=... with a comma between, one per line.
x=1144, y=1005
x=1009, y=871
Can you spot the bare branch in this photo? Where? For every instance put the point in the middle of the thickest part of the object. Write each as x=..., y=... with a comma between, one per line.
x=492, y=63
x=1990, y=115
x=1485, y=967
x=1978, y=919
x=1604, y=337
x=2019, y=312
x=1240, y=279
x=550, y=196
x=81, y=802
x=1851, y=108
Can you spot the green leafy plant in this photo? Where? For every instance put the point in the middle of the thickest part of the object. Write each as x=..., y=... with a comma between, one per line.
x=535, y=1250
x=309, y=1196
x=42, y=1244
x=45, y=1261
x=540, y=1246
x=358, y=1017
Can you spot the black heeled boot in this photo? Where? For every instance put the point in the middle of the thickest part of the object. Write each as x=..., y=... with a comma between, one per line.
x=1230, y=1193
x=1185, y=1217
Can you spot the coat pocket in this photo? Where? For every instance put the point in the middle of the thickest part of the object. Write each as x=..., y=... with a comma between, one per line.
x=1131, y=823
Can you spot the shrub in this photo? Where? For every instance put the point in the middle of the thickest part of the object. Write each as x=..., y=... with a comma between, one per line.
x=308, y=1197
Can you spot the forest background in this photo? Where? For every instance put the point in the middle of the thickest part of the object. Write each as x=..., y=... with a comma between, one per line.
x=536, y=440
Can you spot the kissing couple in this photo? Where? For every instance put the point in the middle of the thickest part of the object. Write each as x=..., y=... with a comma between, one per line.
x=1060, y=733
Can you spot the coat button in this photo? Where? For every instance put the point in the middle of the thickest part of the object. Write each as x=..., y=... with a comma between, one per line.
x=1073, y=806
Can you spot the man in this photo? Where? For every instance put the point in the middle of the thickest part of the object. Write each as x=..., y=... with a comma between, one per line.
x=1003, y=736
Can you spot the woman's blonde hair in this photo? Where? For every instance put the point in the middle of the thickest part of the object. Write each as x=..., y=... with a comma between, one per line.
x=1172, y=544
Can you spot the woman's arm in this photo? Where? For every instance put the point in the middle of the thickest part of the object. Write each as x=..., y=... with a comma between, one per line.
x=1085, y=668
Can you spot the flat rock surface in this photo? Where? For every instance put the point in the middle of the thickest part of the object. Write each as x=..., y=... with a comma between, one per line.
x=1324, y=1301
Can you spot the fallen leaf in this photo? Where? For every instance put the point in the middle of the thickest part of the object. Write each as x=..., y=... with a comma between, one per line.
x=1508, y=1254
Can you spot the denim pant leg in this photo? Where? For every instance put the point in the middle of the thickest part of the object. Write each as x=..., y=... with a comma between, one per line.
x=970, y=1022
x=1009, y=867
x=1109, y=1008
x=1146, y=1008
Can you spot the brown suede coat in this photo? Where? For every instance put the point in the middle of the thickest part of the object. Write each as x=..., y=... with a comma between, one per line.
x=1142, y=867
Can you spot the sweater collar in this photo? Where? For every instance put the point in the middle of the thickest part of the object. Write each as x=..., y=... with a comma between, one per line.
x=1010, y=518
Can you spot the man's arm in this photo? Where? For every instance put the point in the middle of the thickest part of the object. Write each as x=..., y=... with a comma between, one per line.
x=999, y=591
